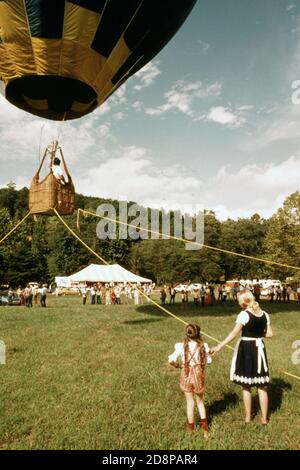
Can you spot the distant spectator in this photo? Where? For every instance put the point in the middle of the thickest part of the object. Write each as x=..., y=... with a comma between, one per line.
x=44, y=291
x=196, y=295
x=107, y=296
x=278, y=294
x=93, y=295
x=98, y=294
x=183, y=299
x=113, y=297
x=289, y=291
x=172, y=293
x=10, y=294
x=220, y=293
x=83, y=295
x=28, y=296
x=103, y=294
x=118, y=295
x=272, y=293
x=163, y=296
x=136, y=296
x=224, y=293
x=284, y=293
x=202, y=294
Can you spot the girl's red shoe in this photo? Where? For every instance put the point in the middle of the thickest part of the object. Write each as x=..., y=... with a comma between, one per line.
x=190, y=427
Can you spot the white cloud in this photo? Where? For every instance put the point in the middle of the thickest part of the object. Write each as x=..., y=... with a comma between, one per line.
x=182, y=96
x=231, y=193
x=119, y=116
x=225, y=116
x=103, y=109
x=245, y=107
x=253, y=188
x=119, y=96
x=136, y=175
x=204, y=46
x=137, y=105
x=290, y=7
x=147, y=75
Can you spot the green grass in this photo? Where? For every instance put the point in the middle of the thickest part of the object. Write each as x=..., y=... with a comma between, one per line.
x=96, y=377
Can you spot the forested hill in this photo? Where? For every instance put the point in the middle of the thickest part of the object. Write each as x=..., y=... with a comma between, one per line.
x=42, y=249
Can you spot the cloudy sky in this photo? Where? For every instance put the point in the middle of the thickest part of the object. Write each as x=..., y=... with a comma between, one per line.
x=209, y=121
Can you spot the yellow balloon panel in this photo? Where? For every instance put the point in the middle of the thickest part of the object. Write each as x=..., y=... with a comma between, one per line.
x=60, y=59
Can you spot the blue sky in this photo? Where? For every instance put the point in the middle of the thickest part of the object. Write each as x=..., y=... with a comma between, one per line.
x=209, y=121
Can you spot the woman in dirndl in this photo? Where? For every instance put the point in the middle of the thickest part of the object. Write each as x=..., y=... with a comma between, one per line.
x=249, y=367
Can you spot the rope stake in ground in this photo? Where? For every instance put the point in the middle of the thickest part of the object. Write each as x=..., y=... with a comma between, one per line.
x=15, y=227
x=163, y=309
x=172, y=237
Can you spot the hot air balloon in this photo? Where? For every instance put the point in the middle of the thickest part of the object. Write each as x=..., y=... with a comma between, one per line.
x=60, y=59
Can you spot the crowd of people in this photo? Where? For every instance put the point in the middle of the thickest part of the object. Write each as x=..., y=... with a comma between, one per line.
x=211, y=294
x=118, y=293
x=29, y=296
x=115, y=293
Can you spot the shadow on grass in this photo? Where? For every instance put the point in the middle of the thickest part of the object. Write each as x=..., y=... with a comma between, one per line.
x=276, y=389
x=275, y=392
x=141, y=322
x=219, y=406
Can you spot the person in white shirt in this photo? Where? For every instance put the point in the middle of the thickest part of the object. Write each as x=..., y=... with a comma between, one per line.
x=44, y=292
x=57, y=171
x=83, y=293
x=194, y=355
x=136, y=295
x=93, y=295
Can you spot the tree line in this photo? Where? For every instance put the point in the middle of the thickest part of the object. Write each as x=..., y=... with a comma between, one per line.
x=42, y=248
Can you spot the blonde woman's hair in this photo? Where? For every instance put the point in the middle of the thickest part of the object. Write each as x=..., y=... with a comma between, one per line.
x=246, y=300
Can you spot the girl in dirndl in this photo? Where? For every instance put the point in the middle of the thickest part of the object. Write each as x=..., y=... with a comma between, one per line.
x=194, y=355
x=249, y=367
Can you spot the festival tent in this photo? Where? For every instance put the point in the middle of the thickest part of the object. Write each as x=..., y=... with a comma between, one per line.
x=106, y=273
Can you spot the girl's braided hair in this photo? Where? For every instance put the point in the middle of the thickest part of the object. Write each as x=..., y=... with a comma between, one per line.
x=192, y=333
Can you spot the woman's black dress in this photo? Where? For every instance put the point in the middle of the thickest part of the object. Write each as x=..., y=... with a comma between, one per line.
x=249, y=365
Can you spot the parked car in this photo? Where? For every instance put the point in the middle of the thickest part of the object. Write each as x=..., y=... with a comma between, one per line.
x=3, y=300
x=6, y=300
x=15, y=300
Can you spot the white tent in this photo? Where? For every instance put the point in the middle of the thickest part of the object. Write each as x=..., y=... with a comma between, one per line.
x=106, y=273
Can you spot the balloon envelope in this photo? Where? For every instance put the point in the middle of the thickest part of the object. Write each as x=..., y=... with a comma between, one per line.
x=60, y=59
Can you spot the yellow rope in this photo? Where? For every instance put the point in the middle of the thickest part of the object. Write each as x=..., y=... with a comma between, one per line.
x=213, y=248
x=78, y=238
x=144, y=295
x=291, y=375
x=15, y=227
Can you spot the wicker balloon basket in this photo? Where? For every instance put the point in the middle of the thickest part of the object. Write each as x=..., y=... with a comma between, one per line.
x=50, y=193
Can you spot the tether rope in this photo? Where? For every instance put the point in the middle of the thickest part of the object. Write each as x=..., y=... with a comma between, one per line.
x=213, y=248
x=15, y=227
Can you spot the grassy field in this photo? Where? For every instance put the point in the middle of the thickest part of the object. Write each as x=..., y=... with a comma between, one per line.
x=96, y=377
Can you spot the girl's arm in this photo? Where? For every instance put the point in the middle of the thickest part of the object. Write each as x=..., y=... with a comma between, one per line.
x=233, y=334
